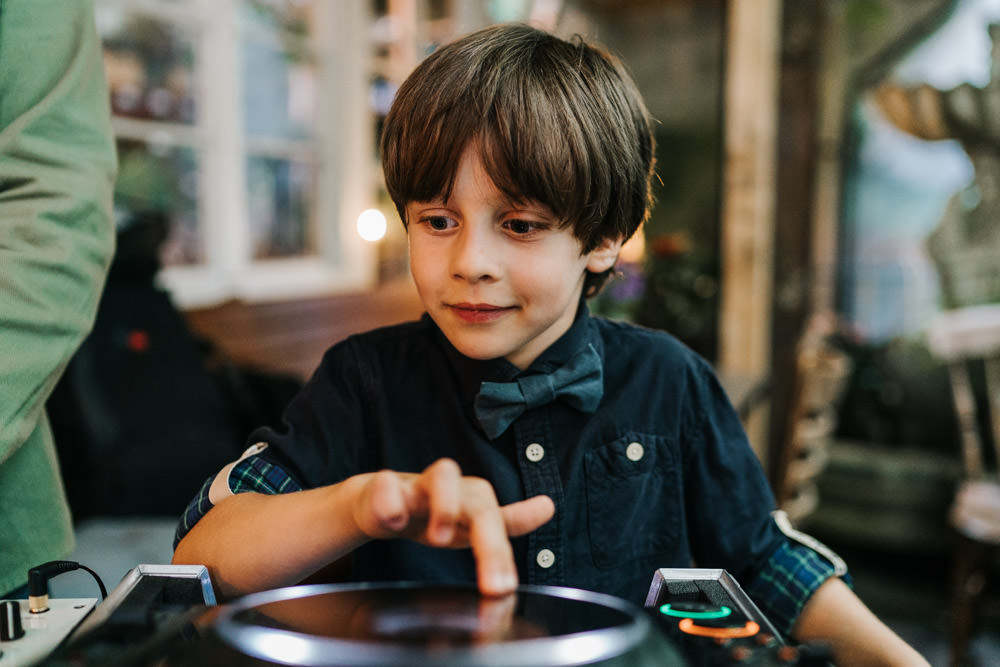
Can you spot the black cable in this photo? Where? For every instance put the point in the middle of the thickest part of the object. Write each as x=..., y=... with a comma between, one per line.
x=38, y=582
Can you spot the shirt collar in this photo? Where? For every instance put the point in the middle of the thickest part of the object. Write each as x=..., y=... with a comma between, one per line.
x=472, y=372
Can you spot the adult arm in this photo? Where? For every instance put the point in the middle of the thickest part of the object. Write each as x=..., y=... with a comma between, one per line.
x=57, y=168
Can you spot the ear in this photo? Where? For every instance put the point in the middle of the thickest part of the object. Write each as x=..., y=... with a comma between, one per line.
x=604, y=256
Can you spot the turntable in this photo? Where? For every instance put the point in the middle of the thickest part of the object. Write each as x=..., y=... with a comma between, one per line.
x=164, y=618
x=360, y=625
x=414, y=624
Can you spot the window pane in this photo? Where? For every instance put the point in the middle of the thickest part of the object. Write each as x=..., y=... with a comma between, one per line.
x=157, y=188
x=279, y=72
x=150, y=66
x=280, y=194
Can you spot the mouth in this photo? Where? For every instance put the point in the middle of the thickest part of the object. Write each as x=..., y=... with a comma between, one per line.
x=479, y=312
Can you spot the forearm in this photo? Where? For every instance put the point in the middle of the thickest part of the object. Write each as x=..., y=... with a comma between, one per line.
x=252, y=542
x=835, y=615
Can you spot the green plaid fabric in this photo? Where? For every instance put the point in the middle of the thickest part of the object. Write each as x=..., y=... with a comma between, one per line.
x=250, y=474
x=255, y=474
x=790, y=577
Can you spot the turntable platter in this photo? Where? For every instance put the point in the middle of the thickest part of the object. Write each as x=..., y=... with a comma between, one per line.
x=417, y=624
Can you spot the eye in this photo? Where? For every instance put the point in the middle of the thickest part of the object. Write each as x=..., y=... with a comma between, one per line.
x=438, y=223
x=519, y=227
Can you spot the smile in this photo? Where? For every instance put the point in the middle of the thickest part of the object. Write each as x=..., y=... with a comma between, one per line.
x=479, y=312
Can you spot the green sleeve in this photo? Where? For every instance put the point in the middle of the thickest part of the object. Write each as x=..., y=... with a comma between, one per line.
x=57, y=168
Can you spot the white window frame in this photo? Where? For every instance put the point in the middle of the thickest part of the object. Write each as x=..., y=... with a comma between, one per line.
x=343, y=160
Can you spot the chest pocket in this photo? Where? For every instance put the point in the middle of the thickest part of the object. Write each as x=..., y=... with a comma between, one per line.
x=633, y=500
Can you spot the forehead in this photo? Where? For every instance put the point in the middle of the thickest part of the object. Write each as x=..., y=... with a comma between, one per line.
x=472, y=180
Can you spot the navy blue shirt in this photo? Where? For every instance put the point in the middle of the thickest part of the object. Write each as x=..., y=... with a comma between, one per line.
x=661, y=475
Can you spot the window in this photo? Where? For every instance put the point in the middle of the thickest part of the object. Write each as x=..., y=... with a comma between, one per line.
x=244, y=137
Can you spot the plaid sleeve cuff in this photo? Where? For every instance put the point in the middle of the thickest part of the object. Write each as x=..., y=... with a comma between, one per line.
x=260, y=476
x=197, y=508
x=249, y=474
x=787, y=581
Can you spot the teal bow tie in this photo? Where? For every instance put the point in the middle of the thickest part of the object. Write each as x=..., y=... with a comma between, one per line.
x=580, y=383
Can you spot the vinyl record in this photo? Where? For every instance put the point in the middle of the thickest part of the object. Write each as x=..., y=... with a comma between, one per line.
x=417, y=624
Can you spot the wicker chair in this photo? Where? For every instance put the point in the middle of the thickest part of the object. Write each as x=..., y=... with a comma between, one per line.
x=964, y=339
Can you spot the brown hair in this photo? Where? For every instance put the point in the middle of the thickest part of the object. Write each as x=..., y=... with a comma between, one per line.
x=557, y=122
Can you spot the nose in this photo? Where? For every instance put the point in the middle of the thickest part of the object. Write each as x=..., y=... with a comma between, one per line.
x=474, y=256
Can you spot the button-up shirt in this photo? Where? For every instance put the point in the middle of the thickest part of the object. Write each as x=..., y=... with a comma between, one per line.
x=661, y=475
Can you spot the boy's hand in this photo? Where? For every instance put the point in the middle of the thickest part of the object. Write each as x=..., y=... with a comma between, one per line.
x=439, y=507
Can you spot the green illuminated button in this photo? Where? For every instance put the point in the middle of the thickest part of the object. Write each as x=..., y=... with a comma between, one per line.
x=695, y=610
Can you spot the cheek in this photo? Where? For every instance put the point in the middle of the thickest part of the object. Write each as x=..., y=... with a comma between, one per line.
x=552, y=282
x=422, y=253
x=531, y=277
x=421, y=266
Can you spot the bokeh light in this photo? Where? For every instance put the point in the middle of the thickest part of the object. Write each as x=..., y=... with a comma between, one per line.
x=371, y=225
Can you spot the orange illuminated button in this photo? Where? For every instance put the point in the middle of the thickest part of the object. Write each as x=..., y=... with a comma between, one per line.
x=749, y=629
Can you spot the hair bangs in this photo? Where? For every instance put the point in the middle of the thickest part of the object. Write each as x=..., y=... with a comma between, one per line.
x=528, y=160
x=427, y=152
x=555, y=122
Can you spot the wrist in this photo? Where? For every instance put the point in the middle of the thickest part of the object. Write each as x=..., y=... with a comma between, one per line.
x=347, y=502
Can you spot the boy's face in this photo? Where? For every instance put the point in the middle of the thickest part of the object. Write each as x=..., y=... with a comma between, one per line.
x=500, y=278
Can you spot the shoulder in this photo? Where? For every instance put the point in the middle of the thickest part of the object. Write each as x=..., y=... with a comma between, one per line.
x=394, y=344
x=654, y=367
x=628, y=344
x=368, y=365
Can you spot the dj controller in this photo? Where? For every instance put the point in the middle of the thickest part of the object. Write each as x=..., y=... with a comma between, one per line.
x=167, y=616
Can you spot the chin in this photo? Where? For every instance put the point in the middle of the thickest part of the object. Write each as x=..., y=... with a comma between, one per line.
x=478, y=352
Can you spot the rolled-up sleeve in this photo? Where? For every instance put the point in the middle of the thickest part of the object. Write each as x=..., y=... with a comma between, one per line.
x=787, y=581
x=250, y=474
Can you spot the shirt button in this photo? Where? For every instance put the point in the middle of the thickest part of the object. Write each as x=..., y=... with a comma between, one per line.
x=545, y=558
x=534, y=452
x=634, y=451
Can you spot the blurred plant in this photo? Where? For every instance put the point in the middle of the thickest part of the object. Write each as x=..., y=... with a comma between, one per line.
x=666, y=246
x=681, y=295
x=675, y=285
x=682, y=238
x=622, y=293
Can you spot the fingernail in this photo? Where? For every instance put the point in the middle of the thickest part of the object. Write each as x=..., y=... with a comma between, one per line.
x=503, y=583
x=443, y=534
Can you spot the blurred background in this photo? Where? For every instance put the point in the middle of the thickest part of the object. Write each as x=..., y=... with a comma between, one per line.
x=825, y=187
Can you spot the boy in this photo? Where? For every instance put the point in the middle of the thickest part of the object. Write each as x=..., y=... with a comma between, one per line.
x=562, y=449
